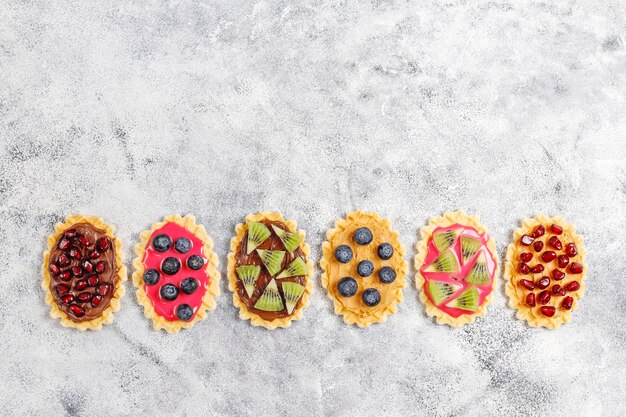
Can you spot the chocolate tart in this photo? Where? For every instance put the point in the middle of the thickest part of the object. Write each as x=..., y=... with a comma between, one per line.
x=457, y=268
x=364, y=268
x=269, y=271
x=176, y=273
x=545, y=271
x=83, y=272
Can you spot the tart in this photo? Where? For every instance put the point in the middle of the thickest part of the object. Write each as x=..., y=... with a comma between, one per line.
x=364, y=268
x=545, y=271
x=83, y=272
x=456, y=268
x=269, y=271
x=176, y=273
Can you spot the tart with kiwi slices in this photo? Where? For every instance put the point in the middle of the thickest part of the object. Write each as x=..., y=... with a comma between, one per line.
x=545, y=271
x=456, y=268
x=364, y=268
x=176, y=273
x=83, y=271
x=269, y=271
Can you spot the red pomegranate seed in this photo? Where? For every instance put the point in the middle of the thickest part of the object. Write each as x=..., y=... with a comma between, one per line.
x=543, y=283
x=67, y=298
x=88, y=267
x=94, y=254
x=92, y=280
x=523, y=268
x=538, y=246
x=576, y=268
x=526, y=257
x=558, y=290
x=548, y=311
x=555, y=243
x=548, y=256
x=103, y=243
x=95, y=301
x=567, y=303
x=563, y=260
x=572, y=286
x=64, y=244
x=53, y=269
x=62, y=289
x=63, y=260
x=558, y=275
x=556, y=229
x=544, y=297
x=539, y=231
x=100, y=267
x=103, y=289
x=77, y=310
x=537, y=269
x=571, y=250
x=84, y=240
x=70, y=233
x=530, y=300
x=80, y=285
x=529, y=285
x=83, y=297
x=526, y=240
x=75, y=253
x=65, y=276
x=77, y=271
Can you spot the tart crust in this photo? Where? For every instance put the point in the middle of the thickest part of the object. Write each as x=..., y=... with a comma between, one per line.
x=244, y=313
x=213, y=289
x=449, y=219
x=379, y=313
x=516, y=300
x=114, y=305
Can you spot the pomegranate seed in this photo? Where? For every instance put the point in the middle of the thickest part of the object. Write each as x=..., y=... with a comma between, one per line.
x=75, y=253
x=62, y=289
x=529, y=285
x=567, y=303
x=544, y=297
x=100, y=267
x=571, y=250
x=70, y=233
x=555, y=243
x=537, y=269
x=83, y=297
x=539, y=231
x=64, y=244
x=576, y=268
x=538, y=246
x=103, y=289
x=563, y=260
x=53, y=269
x=77, y=310
x=103, y=243
x=94, y=254
x=95, y=301
x=67, y=298
x=84, y=240
x=572, y=286
x=548, y=311
x=548, y=256
x=77, y=271
x=530, y=300
x=523, y=268
x=558, y=290
x=526, y=257
x=80, y=285
x=556, y=229
x=88, y=267
x=558, y=275
x=65, y=276
x=543, y=283
x=63, y=260
x=92, y=280
x=526, y=240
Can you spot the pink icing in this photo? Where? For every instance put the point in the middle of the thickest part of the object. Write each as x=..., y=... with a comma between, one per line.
x=152, y=260
x=459, y=276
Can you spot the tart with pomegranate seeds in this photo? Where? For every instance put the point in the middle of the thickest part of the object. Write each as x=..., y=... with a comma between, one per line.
x=545, y=271
x=83, y=272
x=176, y=273
x=269, y=271
x=364, y=268
x=456, y=268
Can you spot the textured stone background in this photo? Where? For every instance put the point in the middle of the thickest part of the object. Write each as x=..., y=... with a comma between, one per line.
x=136, y=109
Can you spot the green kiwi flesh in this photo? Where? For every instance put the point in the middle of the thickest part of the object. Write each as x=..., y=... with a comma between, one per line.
x=297, y=268
x=272, y=259
x=270, y=299
x=292, y=292
x=248, y=274
x=257, y=233
x=290, y=240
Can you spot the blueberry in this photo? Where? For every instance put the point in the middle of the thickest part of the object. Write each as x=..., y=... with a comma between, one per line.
x=184, y=312
x=170, y=265
x=151, y=277
x=195, y=262
x=385, y=251
x=365, y=268
x=347, y=287
x=189, y=285
x=363, y=236
x=386, y=274
x=169, y=292
x=371, y=297
x=182, y=245
x=161, y=243
x=343, y=254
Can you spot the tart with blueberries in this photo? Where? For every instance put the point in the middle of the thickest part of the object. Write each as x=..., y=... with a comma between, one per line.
x=364, y=268
x=456, y=268
x=176, y=273
x=545, y=271
x=83, y=272
x=269, y=271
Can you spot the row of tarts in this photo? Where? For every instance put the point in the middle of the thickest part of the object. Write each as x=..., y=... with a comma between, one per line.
x=270, y=270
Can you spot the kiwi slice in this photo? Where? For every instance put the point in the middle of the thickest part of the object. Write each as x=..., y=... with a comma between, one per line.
x=443, y=240
x=469, y=247
x=446, y=262
x=439, y=291
x=272, y=259
x=248, y=274
x=292, y=292
x=289, y=239
x=297, y=268
x=479, y=274
x=257, y=233
x=270, y=299
x=468, y=300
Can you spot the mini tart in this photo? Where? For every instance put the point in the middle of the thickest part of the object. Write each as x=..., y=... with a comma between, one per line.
x=83, y=271
x=348, y=288
x=545, y=271
x=189, y=300
x=457, y=268
x=269, y=272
